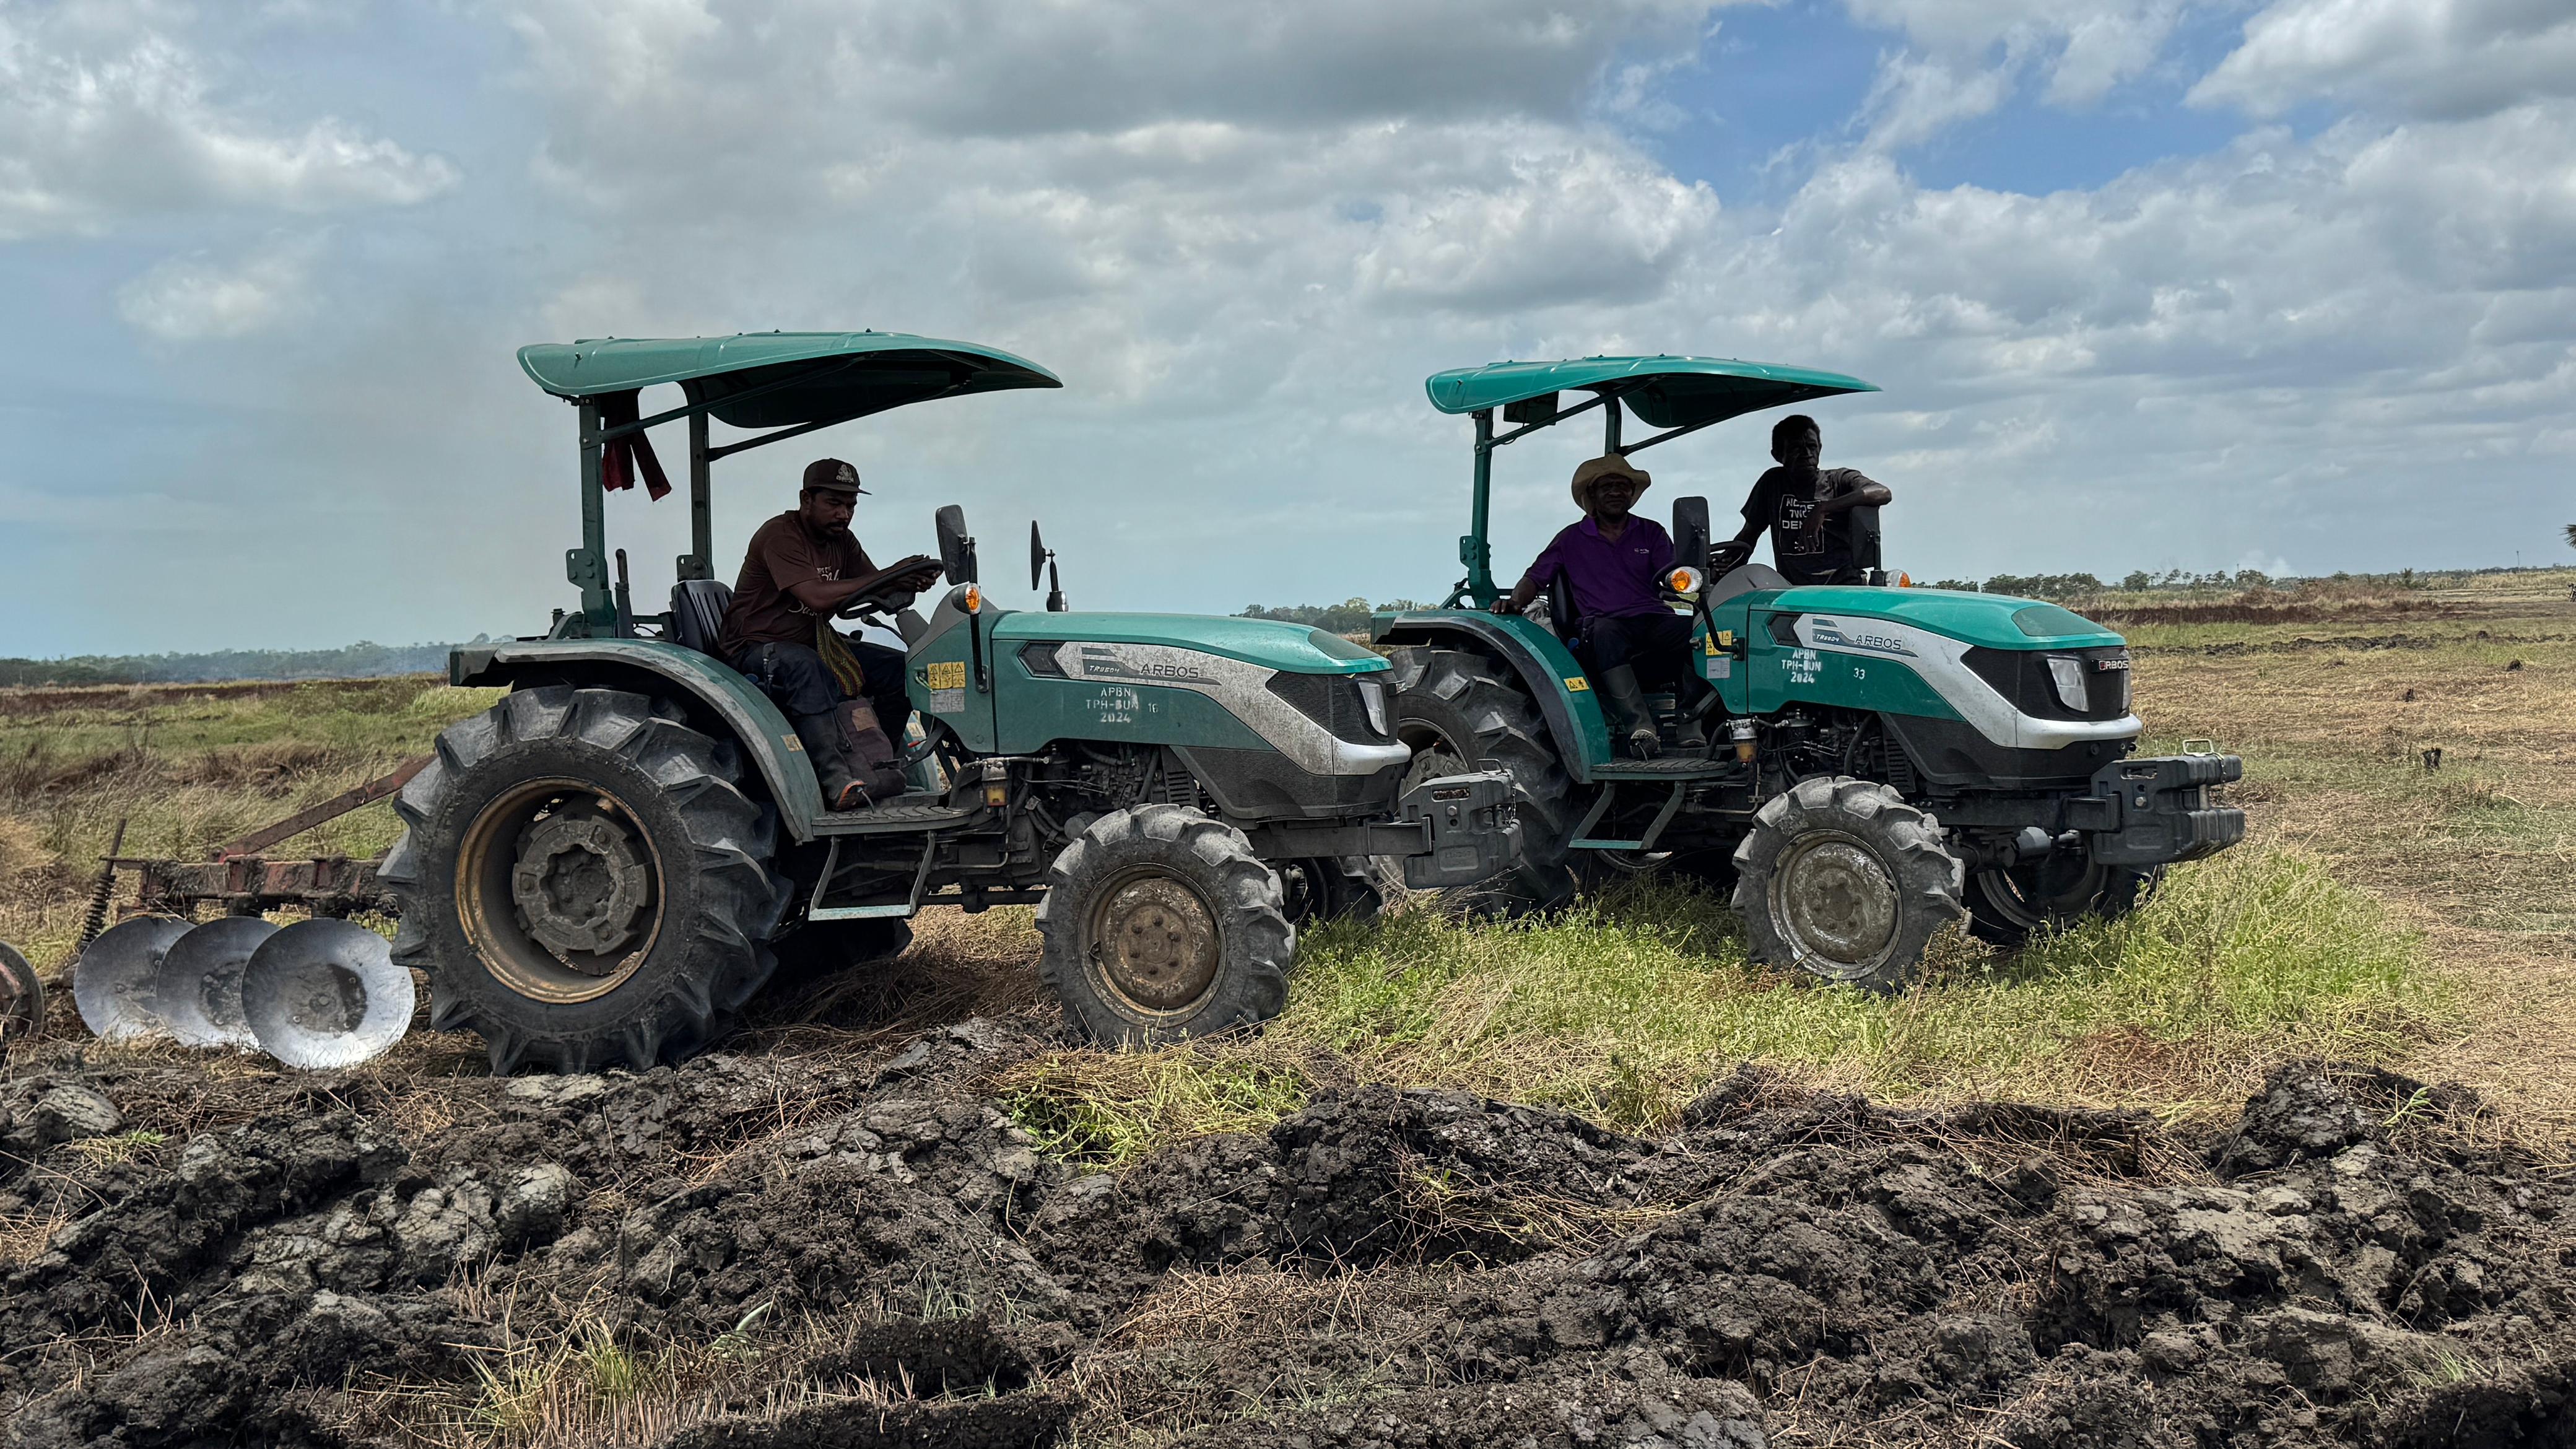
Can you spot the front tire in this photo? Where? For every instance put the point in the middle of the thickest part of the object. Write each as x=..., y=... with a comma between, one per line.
x=584, y=882
x=1160, y=925
x=1841, y=879
x=1458, y=712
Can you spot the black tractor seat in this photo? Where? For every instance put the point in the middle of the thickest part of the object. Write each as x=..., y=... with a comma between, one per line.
x=697, y=613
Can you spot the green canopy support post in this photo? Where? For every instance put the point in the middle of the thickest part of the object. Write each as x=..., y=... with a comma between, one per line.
x=1476, y=550
x=586, y=567
x=700, y=563
x=1610, y=425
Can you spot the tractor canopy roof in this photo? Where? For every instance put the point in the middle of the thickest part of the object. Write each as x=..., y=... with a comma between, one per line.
x=1664, y=392
x=778, y=379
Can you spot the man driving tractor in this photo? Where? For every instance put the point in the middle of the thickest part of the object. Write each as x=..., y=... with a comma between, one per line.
x=1605, y=573
x=1805, y=506
x=801, y=568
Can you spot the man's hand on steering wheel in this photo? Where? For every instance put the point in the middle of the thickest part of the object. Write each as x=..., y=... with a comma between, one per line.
x=1730, y=555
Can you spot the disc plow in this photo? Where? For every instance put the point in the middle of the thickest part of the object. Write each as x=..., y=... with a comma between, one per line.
x=317, y=993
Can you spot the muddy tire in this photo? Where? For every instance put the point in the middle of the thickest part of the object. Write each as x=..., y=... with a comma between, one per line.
x=1841, y=879
x=1160, y=924
x=1461, y=711
x=2007, y=907
x=584, y=882
x=1330, y=888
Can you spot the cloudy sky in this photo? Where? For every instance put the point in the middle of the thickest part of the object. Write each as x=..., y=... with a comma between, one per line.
x=2288, y=284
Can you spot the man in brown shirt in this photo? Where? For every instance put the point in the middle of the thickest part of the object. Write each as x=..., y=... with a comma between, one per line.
x=802, y=568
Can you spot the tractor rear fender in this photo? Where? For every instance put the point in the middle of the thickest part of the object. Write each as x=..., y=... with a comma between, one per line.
x=1545, y=667
x=725, y=703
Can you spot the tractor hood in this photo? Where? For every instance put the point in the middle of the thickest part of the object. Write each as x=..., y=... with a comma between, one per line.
x=1292, y=648
x=1991, y=621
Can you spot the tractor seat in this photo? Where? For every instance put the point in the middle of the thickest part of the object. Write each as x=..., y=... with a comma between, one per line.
x=697, y=613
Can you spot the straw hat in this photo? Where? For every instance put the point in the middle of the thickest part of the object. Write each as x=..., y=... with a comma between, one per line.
x=1609, y=465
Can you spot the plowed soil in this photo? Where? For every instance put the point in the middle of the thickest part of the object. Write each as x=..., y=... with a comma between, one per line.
x=330, y=1261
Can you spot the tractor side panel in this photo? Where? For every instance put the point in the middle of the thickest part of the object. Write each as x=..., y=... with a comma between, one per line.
x=1037, y=711
x=653, y=667
x=1716, y=647
x=1784, y=671
x=940, y=675
x=1546, y=668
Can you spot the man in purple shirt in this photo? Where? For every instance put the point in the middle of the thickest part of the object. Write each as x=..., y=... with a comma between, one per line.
x=1613, y=564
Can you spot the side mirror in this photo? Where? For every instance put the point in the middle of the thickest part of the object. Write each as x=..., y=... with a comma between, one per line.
x=1042, y=561
x=1690, y=533
x=956, y=546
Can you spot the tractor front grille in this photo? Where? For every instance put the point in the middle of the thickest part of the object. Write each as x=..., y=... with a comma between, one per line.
x=1333, y=701
x=2022, y=676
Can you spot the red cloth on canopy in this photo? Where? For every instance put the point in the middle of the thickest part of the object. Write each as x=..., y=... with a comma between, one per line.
x=624, y=457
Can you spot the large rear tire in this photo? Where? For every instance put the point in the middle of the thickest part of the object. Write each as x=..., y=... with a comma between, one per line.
x=1840, y=878
x=2007, y=907
x=584, y=882
x=1160, y=925
x=1460, y=711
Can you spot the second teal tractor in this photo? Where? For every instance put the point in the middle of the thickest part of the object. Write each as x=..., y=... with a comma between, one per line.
x=1884, y=761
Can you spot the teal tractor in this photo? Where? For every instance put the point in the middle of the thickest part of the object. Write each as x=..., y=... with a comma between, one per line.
x=1880, y=761
x=604, y=866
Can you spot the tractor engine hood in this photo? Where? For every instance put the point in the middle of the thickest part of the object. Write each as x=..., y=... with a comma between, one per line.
x=1269, y=643
x=1986, y=621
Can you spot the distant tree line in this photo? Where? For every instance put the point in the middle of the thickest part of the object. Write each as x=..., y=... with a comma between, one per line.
x=1350, y=616
x=354, y=661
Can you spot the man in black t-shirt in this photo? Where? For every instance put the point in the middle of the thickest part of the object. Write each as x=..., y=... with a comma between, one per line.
x=1804, y=505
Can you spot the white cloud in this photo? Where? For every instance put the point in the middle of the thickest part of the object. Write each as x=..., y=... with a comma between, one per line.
x=1915, y=98
x=2445, y=58
x=196, y=298
x=106, y=113
x=1963, y=56
x=1245, y=267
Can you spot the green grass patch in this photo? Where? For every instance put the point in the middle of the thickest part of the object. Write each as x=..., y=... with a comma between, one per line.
x=1102, y=1110
x=1625, y=1008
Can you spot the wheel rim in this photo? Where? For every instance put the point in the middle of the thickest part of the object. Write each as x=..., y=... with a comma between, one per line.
x=1434, y=755
x=1836, y=903
x=1304, y=891
x=1152, y=944
x=2045, y=894
x=559, y=890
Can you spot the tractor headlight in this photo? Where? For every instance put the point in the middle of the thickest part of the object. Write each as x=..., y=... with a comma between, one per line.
x=2068, y=675
x=1373, y=700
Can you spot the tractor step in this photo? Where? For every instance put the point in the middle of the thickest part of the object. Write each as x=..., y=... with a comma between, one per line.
x=1665, y=768
x=902, y=815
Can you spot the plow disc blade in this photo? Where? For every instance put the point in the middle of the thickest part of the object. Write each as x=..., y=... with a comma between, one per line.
x=325, y=993
x=200, y=990
x=22, y=998
x=115, y=982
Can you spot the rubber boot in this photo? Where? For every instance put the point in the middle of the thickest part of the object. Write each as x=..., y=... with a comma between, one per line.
x=1631, y=716
x=820, y=734
x=1693, y=703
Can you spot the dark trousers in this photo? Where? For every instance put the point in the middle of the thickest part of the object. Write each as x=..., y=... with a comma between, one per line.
x=793, y=676
x=1657, y=646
